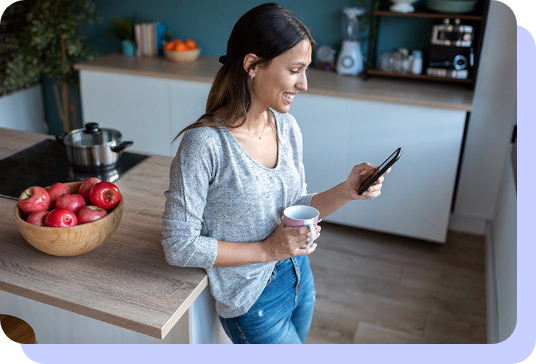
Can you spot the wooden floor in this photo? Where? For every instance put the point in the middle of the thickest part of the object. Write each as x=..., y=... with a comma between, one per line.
x=379, y=288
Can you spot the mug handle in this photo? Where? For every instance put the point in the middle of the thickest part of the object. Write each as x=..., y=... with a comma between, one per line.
x=313, y=234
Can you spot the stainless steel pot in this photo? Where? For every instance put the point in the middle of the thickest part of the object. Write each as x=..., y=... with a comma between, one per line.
x=93, y=148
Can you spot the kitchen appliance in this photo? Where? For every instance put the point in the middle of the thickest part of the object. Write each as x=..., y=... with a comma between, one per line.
x=45, y=163
x=93, y=148
x=451, y=52
x=350, y=61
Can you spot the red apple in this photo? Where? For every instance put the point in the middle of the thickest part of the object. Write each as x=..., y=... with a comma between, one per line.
x=90, y=213
x=37, y=218
x=86, y=186
x=105, y=195
x=56, y=190
x=34, y=198
x=61, y=218
x=73, y=202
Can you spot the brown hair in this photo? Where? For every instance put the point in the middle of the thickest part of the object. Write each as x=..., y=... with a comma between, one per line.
x=267, y=31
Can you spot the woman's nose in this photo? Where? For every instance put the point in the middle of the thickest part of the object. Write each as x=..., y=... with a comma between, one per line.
x=302, y=82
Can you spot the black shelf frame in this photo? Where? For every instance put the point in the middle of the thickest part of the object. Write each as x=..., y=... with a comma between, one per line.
x=380, y=9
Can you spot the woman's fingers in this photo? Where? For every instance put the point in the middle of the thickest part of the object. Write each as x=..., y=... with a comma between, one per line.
x=375, y=187
x=298, y=231
x=307, y=251
x=300, y=236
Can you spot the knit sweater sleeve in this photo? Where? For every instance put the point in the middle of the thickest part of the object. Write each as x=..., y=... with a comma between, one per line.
x=192, y=170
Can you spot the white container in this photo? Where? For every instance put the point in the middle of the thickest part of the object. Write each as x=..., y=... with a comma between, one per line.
x=416, y=63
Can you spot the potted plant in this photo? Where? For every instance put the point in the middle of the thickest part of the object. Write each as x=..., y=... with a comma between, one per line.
x=50, y=44
x=124, y=30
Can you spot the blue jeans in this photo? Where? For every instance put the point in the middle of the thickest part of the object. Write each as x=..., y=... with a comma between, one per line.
x=284, y=310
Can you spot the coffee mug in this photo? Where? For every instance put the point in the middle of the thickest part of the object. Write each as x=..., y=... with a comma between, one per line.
x=301, y=215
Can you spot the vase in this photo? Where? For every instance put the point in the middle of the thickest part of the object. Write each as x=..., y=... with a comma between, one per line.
x=129, y=47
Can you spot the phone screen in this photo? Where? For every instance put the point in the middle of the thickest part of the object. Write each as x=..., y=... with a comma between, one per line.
x=379, y=171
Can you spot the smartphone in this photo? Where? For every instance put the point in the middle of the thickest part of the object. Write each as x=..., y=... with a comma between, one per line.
x=379, y=171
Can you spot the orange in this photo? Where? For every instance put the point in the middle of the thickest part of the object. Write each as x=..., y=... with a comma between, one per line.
x=180, y=46
x=190, y=44
x=169, y=46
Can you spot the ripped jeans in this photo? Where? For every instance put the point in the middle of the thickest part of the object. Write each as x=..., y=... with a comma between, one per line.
x=284, y=310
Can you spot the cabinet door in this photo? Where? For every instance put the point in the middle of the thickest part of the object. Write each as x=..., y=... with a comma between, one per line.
x=187, y=103
x=137, y=106
x=416, y=196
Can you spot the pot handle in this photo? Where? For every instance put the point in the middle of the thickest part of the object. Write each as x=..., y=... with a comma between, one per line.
x=122, y=146
x=60, y=137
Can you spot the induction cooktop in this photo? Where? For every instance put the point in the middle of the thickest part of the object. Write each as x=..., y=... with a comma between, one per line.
x=45, y=163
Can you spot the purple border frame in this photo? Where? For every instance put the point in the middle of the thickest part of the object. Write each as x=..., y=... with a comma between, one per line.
x=515, y=349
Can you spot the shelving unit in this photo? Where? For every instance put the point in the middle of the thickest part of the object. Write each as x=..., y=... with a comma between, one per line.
x=428, y=14
x=381, y=14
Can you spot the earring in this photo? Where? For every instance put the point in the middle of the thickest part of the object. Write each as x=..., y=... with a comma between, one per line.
x=251, y=76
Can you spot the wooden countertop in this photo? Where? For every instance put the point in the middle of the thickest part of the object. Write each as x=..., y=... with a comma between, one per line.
x=409, y=92
x=126, y=281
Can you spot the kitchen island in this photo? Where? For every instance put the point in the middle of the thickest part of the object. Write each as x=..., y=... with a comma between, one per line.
x=122, y=292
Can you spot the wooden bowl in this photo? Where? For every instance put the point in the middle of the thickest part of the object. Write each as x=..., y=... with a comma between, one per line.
x=182, y=56
x=73, y=240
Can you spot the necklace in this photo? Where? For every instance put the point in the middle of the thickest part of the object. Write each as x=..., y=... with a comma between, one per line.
x=248, y=134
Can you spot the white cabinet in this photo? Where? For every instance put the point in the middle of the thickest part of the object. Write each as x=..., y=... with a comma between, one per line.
x=338, y=133
x=147, y=110
x=416, y=197
x=23, y=110
x=187, y=103
x=136, y=106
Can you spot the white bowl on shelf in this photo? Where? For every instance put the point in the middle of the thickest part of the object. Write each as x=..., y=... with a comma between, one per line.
x=402, y=6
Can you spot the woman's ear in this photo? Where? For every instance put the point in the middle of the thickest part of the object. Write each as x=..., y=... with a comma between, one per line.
x=249, y=60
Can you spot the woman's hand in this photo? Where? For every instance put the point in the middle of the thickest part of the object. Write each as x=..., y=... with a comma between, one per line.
x=360, y=173
x=286, y=242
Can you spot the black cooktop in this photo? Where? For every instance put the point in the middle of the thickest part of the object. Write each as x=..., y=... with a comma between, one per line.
x=45, y=163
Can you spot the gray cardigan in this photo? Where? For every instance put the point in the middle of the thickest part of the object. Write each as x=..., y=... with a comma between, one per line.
x=218, y=192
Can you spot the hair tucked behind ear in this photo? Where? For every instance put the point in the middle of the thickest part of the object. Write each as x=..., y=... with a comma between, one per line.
x=267, y=31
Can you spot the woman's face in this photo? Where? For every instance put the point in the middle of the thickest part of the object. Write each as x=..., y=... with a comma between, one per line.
x=276, y=85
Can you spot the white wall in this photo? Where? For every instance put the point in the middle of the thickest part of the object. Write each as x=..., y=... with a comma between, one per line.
x=24, y=110
x=502, y=259
x=490, y=124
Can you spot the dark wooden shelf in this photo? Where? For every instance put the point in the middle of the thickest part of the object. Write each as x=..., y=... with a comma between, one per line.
x=425, y=14
x=422, y=15
x=375, y=72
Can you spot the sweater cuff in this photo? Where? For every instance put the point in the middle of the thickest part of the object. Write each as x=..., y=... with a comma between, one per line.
x=305, y=199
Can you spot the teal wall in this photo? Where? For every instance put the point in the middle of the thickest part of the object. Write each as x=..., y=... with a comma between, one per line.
x=209, y=22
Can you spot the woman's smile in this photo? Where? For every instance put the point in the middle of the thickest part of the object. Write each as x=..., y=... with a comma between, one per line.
x=289, y=97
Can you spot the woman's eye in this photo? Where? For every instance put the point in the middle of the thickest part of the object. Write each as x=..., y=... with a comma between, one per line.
x=294, y=72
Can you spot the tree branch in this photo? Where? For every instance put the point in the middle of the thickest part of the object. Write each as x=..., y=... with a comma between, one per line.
x=59, y=107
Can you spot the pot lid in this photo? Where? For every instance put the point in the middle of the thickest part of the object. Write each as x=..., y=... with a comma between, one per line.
x=92, y=135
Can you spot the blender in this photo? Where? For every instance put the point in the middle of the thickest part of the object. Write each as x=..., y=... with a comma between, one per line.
x=350, y=60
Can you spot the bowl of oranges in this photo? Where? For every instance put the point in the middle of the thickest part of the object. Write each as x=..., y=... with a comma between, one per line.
x=181, y=51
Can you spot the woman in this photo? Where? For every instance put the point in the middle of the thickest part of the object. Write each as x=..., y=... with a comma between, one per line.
x=237, y=168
